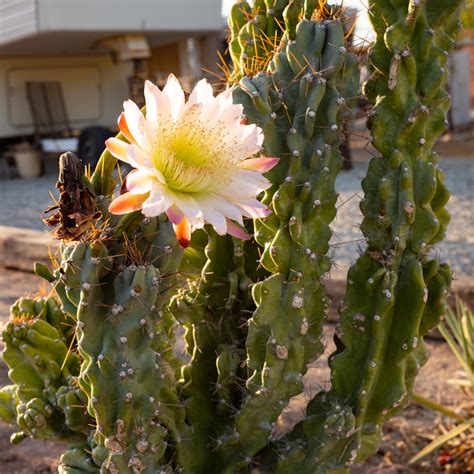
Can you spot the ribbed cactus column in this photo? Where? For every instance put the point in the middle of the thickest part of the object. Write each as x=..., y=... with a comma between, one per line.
x=396, y=293
x=128, y=370
x=297, y=104
x=213, y=312
x=256, y=31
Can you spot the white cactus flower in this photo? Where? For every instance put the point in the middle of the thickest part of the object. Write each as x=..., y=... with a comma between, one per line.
x=190, y=160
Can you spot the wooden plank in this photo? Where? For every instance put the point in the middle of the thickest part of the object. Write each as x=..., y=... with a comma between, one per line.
x=20, y=248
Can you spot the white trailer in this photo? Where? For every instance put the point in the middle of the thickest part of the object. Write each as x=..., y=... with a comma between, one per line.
x=70, y=41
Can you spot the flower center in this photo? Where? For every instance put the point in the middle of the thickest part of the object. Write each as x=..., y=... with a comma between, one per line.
x=191, y=157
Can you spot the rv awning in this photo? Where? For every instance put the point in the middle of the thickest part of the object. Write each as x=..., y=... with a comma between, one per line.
x=78, y=26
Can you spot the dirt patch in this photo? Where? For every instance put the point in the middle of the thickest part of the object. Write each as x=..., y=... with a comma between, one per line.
x=29, y=457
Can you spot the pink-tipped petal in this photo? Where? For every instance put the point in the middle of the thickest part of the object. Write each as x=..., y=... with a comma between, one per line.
x=174, y=215
x=183, y=232
x=202, y=92
x=261, y=165
x=157, y=105
x=255, y=210
x=123, y=127
x=126, y=203
x=136, y=124
x=139, y=182
x=236, y=231
x=175, y=95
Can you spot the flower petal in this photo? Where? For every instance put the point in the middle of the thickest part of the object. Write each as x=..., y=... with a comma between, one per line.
x=225, y=98
x=254, y=208
x=174, y=214
x=158, y=108
x=158, y=202
x=212, y=203
x=139, y=182
x=183, y=232
x=237, y=231
x=123, y=127
x=175, y=95
x=117, y=148
x=128, y=153
x=126, y=203
x=232, y=115
x=188, y=206
x=244, y=184
x=252, y=139
x=136, y=124
x=259, y=164
x=211, y=215
x=202, y=93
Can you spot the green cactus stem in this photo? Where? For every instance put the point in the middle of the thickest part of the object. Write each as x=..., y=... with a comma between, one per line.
x=45, y=401
x=124, y=338
x=298, y=105
x=396, y=293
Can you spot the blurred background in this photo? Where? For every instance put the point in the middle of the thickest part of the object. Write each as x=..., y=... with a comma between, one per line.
x=67, y=65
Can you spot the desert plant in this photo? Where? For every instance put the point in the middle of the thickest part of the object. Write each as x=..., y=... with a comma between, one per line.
x=252, y=310
x=458, y=331
x=45, y=400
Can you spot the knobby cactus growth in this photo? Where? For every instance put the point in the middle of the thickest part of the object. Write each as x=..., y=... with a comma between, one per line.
x=396, y=291
x=298, y=103
x=104, y=365
x=45, y=401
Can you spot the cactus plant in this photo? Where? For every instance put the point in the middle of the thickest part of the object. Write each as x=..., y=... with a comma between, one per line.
x=133, y=393
x=298, y=105
x=396, y=293
x=45, y=401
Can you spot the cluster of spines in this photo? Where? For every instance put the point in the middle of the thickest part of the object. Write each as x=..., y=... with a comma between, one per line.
x=257, y=27
x=255, y=33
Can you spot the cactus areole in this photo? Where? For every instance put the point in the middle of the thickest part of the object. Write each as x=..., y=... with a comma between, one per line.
x=156, y=353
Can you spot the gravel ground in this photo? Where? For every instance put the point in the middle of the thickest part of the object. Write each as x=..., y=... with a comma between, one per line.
x=22, y=200
x=458, y=247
